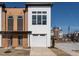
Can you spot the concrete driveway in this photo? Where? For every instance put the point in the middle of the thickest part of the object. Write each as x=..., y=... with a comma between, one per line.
x=41, y=52
x=68, y=47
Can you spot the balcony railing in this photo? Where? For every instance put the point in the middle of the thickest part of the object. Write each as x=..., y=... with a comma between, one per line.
x=15, y=32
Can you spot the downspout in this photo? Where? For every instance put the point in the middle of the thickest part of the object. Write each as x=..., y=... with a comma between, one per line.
x=5, y=20
x=24, y=20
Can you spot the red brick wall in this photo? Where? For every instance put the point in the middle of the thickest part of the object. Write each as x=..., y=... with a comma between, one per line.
x=15, y=12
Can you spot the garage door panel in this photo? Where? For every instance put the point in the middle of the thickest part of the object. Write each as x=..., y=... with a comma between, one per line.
x=38, y=41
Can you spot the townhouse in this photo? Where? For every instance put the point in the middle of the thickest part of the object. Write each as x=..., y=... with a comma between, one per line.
x=25, y=27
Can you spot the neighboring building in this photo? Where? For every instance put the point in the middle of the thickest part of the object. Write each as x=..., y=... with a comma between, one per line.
x=25, y=27
x=52, y=33
x=61, y=35
x=57, y=33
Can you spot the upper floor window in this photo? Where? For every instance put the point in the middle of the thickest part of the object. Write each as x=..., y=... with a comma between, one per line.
x=44, y=19
x=20, y=17
x=10, y=17
x=10, y=23
x=39, y=17
x=34, y=12
x=33, y=19
x=44, y=12
x=20, y=23
x=39, y=12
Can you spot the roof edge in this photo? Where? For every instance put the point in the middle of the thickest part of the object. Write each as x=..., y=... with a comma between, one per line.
x=39, y=4
x=2, y=4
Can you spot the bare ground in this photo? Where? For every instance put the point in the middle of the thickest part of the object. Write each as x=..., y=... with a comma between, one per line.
x=14, y=52
x=76, y=51
x=59, y=52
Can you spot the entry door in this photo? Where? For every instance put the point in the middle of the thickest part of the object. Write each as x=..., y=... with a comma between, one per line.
x=20, y=37
x=38, y=40
x=10, y=41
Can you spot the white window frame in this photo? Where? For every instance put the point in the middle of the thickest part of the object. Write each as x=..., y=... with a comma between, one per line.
x=41, y=17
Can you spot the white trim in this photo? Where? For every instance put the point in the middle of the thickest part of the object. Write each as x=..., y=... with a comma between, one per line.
x=0, y=26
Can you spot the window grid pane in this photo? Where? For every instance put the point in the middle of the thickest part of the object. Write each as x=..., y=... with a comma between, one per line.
x=44, y=12
x=33, y=12
x=20, y=23
x=44, y=19
x=10, y=23
x=33, y=19
x=39, y=19
x=39, y=12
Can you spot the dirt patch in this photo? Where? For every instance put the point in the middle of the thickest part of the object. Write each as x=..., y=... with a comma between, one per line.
x=59, y=52
x=63, y=41
x=8, y=51
x=76, y=51
x=14, y=52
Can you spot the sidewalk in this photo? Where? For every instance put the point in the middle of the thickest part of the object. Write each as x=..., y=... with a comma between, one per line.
x=68, y=48
x=41, y=52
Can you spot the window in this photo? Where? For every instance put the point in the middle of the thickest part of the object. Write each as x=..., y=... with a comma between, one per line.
x=10, y=17
x=44, y=12
x=10, y=23
x=20, y=23
x=34, y=12
x=39, y=12
x=39, y=19
x=44, y=19
x=33, y=19
x=20, y=37
x=20, y=17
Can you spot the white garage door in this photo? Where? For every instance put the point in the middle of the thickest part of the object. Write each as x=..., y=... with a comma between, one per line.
x=38, y=40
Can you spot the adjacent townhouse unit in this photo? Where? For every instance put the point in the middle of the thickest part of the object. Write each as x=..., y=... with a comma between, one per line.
x=25, y=27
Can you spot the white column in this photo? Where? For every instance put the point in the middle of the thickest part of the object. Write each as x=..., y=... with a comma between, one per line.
x=0, y=26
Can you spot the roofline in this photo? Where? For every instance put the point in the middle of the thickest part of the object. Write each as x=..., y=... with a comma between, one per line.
x=2, y=4
x=38, y=4
x=15, y=7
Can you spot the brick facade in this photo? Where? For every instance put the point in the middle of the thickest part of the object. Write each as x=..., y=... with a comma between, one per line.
x=15, y=12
